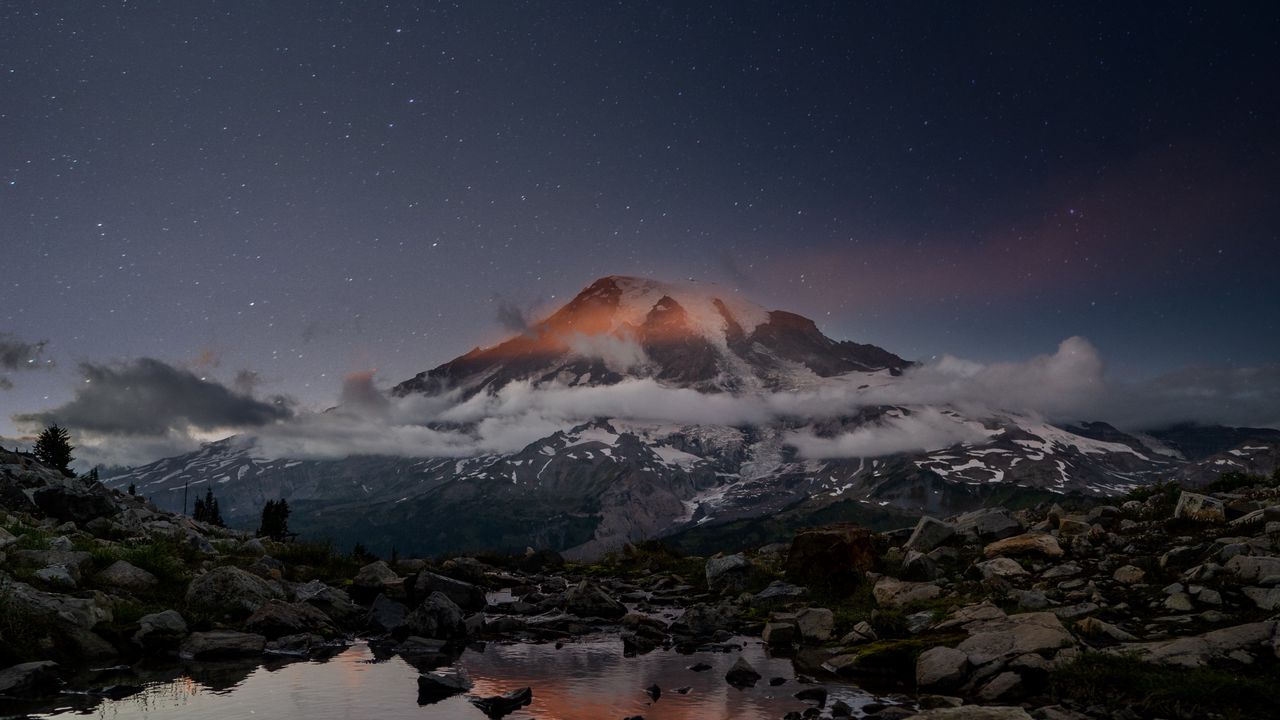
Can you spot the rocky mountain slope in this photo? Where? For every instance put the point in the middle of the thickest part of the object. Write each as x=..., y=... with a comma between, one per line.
x=599, y=482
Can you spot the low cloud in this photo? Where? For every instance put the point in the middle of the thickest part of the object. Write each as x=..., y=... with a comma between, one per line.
x=16, y=355
x=129, y=410
x=925, y=430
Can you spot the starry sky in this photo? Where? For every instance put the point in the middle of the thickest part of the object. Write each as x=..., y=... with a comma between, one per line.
x=275, y=195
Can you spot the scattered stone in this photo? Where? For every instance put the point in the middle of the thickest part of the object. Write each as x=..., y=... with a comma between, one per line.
x=230, y=592
x=588, y=600
x=929, y=534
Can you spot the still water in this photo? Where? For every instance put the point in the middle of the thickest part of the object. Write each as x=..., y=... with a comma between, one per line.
x=586, y=679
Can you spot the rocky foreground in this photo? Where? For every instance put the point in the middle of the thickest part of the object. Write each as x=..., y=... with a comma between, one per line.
x=1162, y=605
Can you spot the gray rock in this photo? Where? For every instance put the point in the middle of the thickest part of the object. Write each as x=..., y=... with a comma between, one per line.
x=221, y=644
x=941, y=667
x=1008, y=637
x=437, y=617
x=121, y=574
x=1264, y=598
x=162, y=630
x=58, y=576
x=1001, y=687
x=891, y=592
x=1128, y=575
x=929, y=534
x=28, y=679
x=376, y=577
x=277, y=618
x=779, y=590
x=386, y=615
x=230, y=592
x=742, y=674
x=1198, y=650
x=779, y=634
x=987, y=524
x=1000, y=567
x=470, y=598
x=1194, y=506
x=588, y=600
x=815, y=624
x=1256, y=570
x=729, y=573
x=331, y=601
x=440, y=684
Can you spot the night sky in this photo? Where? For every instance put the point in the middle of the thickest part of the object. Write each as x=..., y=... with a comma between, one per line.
x=275, y=195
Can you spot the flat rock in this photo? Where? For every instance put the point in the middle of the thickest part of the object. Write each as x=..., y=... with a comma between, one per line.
x=1009, y=637
x=892, y=592
x=941, y=667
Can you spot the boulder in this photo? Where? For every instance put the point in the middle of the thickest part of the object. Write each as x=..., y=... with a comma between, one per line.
x=277, y=618
x=470, y=598
x=588, y=600
x=374, y=579
x=160, y=631
x=1255, y=569
x=815, y=625
x=892, y=592
x=221, y=644
x=30, y=679
x=440, y=684
x=987, y=524
x=57, y=576
x=779, y=634
x=742, y=674
x=778, y=590
x=728, y=573
x=125, y=576
x=1000, y=567
x=929, y=534
x=72, y=502
x=1025, y=544
x=437, y=617
x=1008, y=637
x=941, y=667
x=230, y=592
x=297, y=645
x=834, y=557
x=1128, y=575
x=386, y=615
x=1194, y=506
x=335, y=603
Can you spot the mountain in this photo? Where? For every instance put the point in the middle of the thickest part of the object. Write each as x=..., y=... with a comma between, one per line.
x=597, y=482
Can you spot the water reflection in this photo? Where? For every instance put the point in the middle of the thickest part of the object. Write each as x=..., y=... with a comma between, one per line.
x=586, y=679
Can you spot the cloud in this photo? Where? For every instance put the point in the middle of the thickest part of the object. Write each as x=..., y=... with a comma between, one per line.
x=924, y=430
x=510, y=316
x=129, y=410
x=17, y=354
x=618, y=354
x=150, y=397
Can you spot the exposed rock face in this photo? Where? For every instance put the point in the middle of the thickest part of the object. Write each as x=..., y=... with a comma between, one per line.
x=230, y=591
x=1214, y=645
x=835, y=557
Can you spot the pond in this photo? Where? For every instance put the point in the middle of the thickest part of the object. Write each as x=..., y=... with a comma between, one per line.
x=589, y=678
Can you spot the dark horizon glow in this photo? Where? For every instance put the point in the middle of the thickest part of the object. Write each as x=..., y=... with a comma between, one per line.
x=275, y=197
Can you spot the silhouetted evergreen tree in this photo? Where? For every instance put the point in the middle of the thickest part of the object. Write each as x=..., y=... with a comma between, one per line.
x=133, y=489
x=275, y=520
x=53, y=448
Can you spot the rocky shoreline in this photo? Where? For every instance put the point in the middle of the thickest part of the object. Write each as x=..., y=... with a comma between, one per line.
x=1160, y=605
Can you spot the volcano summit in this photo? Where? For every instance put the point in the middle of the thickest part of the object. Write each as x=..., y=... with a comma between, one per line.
x=643, y=409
